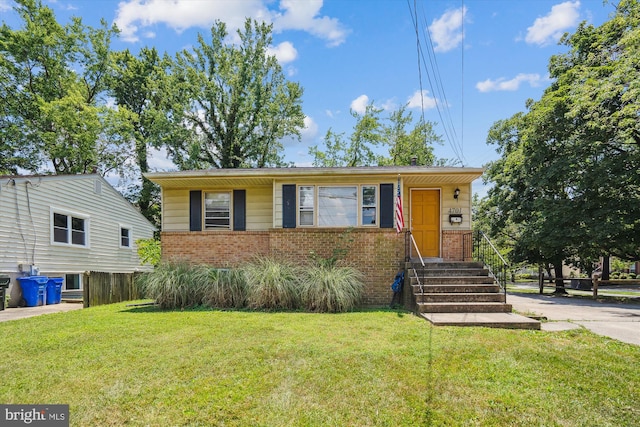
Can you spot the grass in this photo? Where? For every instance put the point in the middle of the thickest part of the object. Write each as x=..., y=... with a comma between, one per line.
x=143, y=366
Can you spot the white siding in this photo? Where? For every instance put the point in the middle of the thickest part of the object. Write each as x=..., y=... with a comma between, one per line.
x=26, y=206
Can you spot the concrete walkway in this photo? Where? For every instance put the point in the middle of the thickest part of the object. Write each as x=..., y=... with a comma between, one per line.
x=24, y=312
x=620, y=321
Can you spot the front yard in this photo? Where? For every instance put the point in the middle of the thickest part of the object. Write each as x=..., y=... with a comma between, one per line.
x=116, y=365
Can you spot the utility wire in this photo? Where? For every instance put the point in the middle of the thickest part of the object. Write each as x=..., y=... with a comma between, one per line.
x=435, y=83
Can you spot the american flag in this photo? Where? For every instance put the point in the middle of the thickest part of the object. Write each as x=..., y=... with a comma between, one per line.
x=399, y=214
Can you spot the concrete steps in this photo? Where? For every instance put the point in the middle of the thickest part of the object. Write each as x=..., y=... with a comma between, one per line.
x=462, y=294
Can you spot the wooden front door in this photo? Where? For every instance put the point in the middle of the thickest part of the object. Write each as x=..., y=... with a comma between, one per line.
x=425, y=222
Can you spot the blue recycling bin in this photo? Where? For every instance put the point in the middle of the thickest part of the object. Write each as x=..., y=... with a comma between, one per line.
x=34, y=290
x=54, y=290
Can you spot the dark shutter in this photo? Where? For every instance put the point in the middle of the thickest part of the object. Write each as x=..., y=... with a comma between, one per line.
x=195, y=210
x=386, y=206
x=289, y=206
x=239, y=210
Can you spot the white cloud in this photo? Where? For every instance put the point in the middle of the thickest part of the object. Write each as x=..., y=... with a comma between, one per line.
x=310, y=130
x=303, y=16
x=359, y=105
x=508, y=85
x=550, y=28
x=4, y=5
x=135, y=15
x=446, y=31
x=417, y=100
x=284, y=52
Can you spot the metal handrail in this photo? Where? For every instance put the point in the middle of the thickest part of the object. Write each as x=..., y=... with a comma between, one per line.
x=415, y=245
x=484, y=251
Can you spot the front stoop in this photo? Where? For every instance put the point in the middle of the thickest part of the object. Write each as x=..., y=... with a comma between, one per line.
x=463, y=294
x=487, y=320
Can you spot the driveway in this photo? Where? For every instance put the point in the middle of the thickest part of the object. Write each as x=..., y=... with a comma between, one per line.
x=24, y=312
x=620, y=321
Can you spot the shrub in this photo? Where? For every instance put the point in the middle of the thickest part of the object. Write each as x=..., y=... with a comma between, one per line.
x=271, y=284
x=176, y=284
x=329, y=288
x=149, y=251
x=226, y=289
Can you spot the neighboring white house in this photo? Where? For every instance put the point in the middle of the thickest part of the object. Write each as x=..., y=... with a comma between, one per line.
x=65, y=225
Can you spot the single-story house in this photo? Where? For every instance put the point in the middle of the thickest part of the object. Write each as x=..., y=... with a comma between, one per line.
x=65, y=225
x=224, y=217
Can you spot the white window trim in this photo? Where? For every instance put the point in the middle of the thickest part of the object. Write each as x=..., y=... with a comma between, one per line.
x=376, y=206
x=80, y=276
x=359, y=206
x=68, y=213
x=314, y=208
x=127, y=227
x=204, y=210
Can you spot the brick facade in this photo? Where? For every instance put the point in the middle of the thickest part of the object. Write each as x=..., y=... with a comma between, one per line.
x=378, y=253
x=457, y=245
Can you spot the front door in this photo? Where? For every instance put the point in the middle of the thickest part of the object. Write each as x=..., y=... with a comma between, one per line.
x=425, y=222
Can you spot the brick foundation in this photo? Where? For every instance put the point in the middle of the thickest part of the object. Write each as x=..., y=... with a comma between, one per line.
x=378, y=253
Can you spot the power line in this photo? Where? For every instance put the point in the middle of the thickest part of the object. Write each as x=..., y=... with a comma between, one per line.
x=435, y=82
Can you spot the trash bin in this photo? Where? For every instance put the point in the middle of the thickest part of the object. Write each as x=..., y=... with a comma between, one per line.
x=34, y=290
x=54, y=290
x=4, y=284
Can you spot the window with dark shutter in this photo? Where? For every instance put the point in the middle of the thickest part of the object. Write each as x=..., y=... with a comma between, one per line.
x=289, y=206
x=239, y=210
x=195, y=210
x=386, y=206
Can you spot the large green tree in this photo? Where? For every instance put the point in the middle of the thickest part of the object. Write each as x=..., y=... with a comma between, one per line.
x=237, y=102
x=568, y=173
x=142, y=85
x=53, y=83
x=398, y=134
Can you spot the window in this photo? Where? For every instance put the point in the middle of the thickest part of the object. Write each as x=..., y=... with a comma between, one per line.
x=70, y=229
x=369, y=203
x=125, y=237
x=217, y=210
x=72, y=282
x=306, y=205
x=337, y=206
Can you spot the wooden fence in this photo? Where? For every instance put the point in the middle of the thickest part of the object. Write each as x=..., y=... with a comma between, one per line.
x=107, y=288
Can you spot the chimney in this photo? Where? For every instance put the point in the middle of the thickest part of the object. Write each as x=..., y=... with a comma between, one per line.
x=414, y=161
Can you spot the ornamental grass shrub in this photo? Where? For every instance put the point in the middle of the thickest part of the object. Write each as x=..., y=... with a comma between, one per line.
x=331, y=288
x=226, y=289
x=272, y=284
x=263, y=284
x=176, y=284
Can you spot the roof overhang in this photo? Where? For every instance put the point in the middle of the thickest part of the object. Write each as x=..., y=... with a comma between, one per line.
x=411, y=175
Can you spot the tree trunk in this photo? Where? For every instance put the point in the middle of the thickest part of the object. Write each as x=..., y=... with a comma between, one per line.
x=606, y=269
x=557, y=269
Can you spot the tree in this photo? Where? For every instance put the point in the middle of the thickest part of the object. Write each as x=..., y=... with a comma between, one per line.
x=568, y=172
x=359, y=151
x=142, y=85
x=370, y=132
x=238, y=105
x=53, y=86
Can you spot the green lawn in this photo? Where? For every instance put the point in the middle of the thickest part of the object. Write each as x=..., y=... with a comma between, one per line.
x=140, y=366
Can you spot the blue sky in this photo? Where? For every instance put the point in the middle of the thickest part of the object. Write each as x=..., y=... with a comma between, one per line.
x=491, y=55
